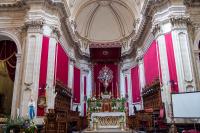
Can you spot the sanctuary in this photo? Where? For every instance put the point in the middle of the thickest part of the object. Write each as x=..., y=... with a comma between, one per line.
x=100, y=66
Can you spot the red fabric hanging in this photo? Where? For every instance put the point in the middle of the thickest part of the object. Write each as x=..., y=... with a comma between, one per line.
x=112, y=87
x=77, y=81
x=8, y=52
x=135, y=85
x=151, y=64
x=43, y=72
x=62, y=65
x=171, y=63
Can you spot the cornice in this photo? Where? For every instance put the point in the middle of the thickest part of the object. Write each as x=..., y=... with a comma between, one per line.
x=55, y=32
x=179, y=22
x=34, y=26
x=147, y=11
x=11, y=3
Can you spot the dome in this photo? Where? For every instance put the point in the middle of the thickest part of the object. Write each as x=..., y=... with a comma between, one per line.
x=104, y=20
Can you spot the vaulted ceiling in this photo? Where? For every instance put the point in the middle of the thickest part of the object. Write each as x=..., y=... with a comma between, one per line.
x=104, y=20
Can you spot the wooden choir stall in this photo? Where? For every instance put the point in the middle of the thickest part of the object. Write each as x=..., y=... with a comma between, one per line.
x=152, y=117
x=61, y=119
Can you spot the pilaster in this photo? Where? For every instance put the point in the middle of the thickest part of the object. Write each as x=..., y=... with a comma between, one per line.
x=141, y=74
x=51, y=67
x=32, y=51
x=16, y=90
x=129, y=100
x=182, y=52
x=166, y=86
x=71, y=78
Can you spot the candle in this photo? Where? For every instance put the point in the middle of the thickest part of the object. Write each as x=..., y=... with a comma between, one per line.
x=117, y=88
x=99, y=90
x=95, y=90
x=112, y=89
x=17, y=112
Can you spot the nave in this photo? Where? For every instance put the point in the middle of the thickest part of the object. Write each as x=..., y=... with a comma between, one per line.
x=99, y=66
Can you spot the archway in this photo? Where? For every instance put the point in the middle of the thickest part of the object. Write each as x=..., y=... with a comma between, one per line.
x=8, y=50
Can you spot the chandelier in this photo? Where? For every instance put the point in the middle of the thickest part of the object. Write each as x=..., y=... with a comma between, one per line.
x=105, y=76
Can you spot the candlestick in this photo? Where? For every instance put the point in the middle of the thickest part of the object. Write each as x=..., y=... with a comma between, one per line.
x=117, y=89
x=99, y=90
x=112, y=89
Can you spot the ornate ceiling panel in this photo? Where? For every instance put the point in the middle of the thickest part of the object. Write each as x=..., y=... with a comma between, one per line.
x=104, y=20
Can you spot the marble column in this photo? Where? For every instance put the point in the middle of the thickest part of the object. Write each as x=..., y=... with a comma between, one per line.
x=16, y=90
x=51, y=67
x=129, y=100
x=141, y=75
x=166, y=86
x=71, y=77
x=32, y=54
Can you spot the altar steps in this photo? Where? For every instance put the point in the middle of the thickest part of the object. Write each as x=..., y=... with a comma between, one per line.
x=109, y=130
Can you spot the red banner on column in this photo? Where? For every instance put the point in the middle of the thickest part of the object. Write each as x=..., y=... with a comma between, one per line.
x=43, y=72
x=62, y=65
x=151, y=64
x=171, y=63
x=135, y=85
x=77, y=82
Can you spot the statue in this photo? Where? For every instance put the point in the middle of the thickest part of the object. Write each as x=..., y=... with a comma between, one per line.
x=31, y=109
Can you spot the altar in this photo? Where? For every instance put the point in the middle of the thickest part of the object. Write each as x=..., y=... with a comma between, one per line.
x=108, y=119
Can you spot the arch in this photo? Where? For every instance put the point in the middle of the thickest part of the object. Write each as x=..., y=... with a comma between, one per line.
x=16, y=95
x=13, y=38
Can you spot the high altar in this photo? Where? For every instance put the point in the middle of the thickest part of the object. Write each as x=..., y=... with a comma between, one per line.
x=106, y=112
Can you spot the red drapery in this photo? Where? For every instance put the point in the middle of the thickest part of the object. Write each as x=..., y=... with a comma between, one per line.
x=98, y=86
x=85, y=93
x=62, y=62
x=171, y=63
x=77, y=81
x=151, y=64
x=135, y=85
x=8, y=52
x=43, y=72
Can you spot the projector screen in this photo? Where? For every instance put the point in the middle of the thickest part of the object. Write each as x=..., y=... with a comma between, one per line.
x=186, y=105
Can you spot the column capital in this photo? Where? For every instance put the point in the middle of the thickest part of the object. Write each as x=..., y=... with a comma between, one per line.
x=35, y=26
x=55, y=32
x=156, y=30
x=19, y=57
x=139, y=57
x=85, y=70
x=180, y=21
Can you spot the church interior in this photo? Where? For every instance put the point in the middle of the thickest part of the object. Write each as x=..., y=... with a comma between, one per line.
x=91, y=66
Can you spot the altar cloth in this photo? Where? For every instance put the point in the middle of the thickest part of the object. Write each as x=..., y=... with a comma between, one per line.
x=108, y=119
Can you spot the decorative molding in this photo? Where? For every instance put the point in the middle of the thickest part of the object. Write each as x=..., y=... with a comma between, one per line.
x=192, y=3
x=12, y=3
x=156, y=30
x=180, y=21
x=35, y=26
x=55, y=32
x=19, y=57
